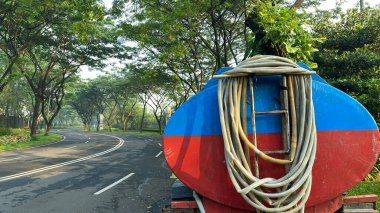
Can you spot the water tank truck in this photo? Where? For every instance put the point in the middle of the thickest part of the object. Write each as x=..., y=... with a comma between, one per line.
x=267, y=136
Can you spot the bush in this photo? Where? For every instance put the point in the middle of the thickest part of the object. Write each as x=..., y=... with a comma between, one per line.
x=5, y=131
x=12, y=136
x=375, y=172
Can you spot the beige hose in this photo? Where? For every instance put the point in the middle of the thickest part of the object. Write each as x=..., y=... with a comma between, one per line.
x=290, y=192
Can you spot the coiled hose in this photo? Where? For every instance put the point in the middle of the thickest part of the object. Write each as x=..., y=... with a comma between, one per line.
x=290, y=192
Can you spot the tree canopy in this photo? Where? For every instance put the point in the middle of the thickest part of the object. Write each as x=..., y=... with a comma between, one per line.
x=167, y=51
x=350, y=57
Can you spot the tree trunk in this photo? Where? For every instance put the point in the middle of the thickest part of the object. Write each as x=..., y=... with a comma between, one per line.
x=158, y=119
x=142, y=117
x=124, y=121
x=216, y=38
x=297, y=4
x=361, y=5
x=98, y=123
x=125, y=124
x=36, y=112
x=109, y=125
x=160, y=127
x=47, y=128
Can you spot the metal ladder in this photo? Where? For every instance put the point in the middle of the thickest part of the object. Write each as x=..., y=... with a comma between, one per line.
x=284, y=111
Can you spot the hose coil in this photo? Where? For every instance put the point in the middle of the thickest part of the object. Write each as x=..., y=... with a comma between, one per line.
x=290, y=192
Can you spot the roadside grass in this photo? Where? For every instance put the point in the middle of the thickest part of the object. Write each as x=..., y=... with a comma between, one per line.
x=39, y=139
x=367, y=187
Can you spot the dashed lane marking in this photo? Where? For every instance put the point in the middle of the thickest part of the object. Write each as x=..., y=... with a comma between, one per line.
x=159, y=154
x=113, y=184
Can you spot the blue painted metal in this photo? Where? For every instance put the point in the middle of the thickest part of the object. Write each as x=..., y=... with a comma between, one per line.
x=334, y=110
x=315, y=77
x=214, y=81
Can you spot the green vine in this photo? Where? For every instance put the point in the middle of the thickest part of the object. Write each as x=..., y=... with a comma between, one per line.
x=281, y=31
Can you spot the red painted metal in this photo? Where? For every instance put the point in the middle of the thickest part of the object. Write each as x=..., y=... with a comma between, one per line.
x=329, y=206
x=343, y=159
x=184, y=204
x=332, y=205
x=361, y=199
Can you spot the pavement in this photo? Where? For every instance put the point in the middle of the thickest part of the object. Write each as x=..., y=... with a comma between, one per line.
x=86, y=172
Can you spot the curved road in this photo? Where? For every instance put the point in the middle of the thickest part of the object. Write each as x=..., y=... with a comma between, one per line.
x=86, y=172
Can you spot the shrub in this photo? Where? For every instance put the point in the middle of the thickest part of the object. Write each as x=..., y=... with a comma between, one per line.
x=375, y=172
x=5, y=131
x=11, y=136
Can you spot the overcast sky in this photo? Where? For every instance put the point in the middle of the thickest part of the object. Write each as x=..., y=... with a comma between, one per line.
x=85, y=73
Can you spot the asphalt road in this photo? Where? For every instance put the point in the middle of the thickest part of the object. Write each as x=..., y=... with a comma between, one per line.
x=86, y=172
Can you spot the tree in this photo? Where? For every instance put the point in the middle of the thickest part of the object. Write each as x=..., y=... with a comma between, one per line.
x=18, y=20
x=126, y=98
x=280, y=30
x=97, y=95
x=186, y=39
x=159, y=101
x=52, y=105
x=349, y=59
x=153, y=87
x=177, y=92
x=67, y=116
x=361, y=2
x=16, y=99
x=83, y=105
x=192, y=40
x=107, y=90
x=72, y=33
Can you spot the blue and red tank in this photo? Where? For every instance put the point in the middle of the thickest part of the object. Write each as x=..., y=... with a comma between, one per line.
x=348, y=144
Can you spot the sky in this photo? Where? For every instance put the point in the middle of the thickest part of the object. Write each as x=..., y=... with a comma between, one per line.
x=329, y=4
x=88, y=73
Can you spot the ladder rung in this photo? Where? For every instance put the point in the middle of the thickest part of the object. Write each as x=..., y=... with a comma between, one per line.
x=272, y=112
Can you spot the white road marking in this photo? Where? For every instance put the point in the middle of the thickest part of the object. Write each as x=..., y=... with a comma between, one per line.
x=159, y=154
x=10, y=159
x=22, y=174
x=71, y=147
x=64, y=138
x=159, y=144
x=114, y=184
x=6, y=160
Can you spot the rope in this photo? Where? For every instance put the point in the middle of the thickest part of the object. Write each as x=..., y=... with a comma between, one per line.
x=290, y=192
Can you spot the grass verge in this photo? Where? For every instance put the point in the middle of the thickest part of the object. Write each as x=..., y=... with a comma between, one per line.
x=37, y=140
x=367, y=187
